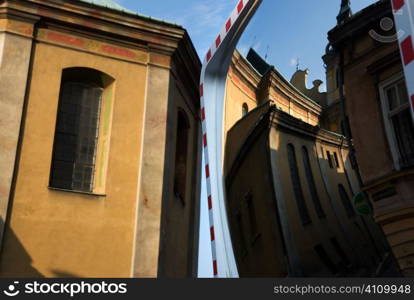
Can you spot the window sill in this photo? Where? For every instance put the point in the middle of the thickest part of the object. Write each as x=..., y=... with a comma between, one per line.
x=76, y=192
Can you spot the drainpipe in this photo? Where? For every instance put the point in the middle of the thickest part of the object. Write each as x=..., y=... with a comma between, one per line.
x=346, y=126
x=348, y=137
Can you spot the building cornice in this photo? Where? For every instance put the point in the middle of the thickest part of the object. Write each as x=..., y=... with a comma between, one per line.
x=277, y=81
x=285, y=122
x=245, y=69
x=188, y=70
x=250, y=75
x=155, y=35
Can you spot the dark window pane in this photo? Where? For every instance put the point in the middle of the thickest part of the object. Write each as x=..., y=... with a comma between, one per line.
x=329, y=156
x=311, y=184
x=326, y=260
x=392, y=98
x=76, y=137
x=336, y=160
x=346, y=202
x=337, y=74
x=402, y=92
x=62, y=174
x=181, y=156
x=245, y=110
x=340, y=251
x=297, y=188
x=404, y=133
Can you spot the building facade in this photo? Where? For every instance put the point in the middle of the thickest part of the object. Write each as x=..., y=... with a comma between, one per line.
x=100, y=142
x=248, y=87
x=372, y=89
x=290, y=184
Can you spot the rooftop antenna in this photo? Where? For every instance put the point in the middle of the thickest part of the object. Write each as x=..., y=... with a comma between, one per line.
x=254, y=42
x=267, y=53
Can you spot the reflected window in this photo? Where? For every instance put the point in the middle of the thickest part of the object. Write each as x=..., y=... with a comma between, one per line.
x=325, y=259
x=330, y=160
x=337, y=160
x=311, y=183
x=340, y=251
x=245, y=109
x=346, y=201
x=297, y=187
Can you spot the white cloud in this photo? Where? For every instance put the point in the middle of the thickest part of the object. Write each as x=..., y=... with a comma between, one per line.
x=204, y=16
x=203, y=20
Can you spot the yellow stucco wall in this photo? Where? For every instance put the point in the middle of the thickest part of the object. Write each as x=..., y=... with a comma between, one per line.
x=14, y=66
x=238, y=92
x=67, y=234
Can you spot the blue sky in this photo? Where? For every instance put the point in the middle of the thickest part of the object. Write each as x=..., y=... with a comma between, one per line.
x=284, y=30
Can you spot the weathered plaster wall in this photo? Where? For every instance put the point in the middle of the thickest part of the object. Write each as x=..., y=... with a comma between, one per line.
x=14, y=64
x=179, y=230
x=364, y=108
x=152, y=173
x=54, y=233
x=238, y=92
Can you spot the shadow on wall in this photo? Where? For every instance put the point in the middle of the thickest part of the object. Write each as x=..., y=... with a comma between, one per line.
x=343, y=242
x=321, y=230
x=21, y=258
x=63, y=274
x=298, y=213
